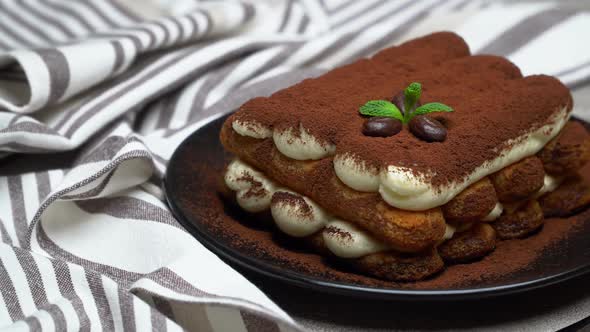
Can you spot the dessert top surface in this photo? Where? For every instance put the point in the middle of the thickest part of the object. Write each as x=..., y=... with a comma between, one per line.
x=493, y=105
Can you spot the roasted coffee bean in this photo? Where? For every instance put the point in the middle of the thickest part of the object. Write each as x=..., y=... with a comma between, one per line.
x=398, y=100
x=427, y=129
x=381, y=127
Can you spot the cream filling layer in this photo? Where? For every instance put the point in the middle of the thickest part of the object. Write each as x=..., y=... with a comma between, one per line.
x=550, y=183
x=299, y=144
x=400, y=188
x=449, y=232
x=347, y=240
x=251, y=129
x=495, y=213
x=356, y=173
x=299, y=216
x=295, y=214
x=295, y=143
x=253, y=190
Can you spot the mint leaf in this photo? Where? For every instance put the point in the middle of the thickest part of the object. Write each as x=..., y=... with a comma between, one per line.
x=411, y=95
x=381, y=108
x=430, y=108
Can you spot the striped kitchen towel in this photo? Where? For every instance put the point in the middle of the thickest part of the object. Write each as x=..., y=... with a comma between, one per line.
x=92, y=246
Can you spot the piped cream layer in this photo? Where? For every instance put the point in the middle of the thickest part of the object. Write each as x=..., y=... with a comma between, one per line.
x=399, y=186
x=403, y=189
x=299, y=216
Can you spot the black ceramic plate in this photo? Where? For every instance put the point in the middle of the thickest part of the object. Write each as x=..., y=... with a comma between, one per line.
x=191, y=186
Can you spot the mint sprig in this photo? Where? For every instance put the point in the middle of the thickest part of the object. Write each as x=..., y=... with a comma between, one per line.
x=381, y=108
x=412, y=94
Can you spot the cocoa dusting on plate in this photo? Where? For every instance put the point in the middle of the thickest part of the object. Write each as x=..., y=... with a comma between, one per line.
x=492, y=104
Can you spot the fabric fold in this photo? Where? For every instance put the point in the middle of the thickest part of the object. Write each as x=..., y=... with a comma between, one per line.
x=52, y=75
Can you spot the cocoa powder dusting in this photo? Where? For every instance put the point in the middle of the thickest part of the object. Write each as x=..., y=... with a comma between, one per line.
x=493, y=104
x=303, y=210
x=256, y=188
x=256, y=192
x=338, y=232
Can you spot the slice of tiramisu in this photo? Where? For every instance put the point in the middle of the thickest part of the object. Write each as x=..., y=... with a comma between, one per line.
x=420, y=152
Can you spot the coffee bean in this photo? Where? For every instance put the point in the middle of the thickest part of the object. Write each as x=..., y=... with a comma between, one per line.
x=427, y=129
x=381, y=127
x=398, y=100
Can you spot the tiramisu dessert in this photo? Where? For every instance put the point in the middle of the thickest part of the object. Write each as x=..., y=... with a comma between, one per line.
x=421, y=156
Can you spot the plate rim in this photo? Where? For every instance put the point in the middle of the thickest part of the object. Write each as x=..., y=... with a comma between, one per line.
x=299, y=279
